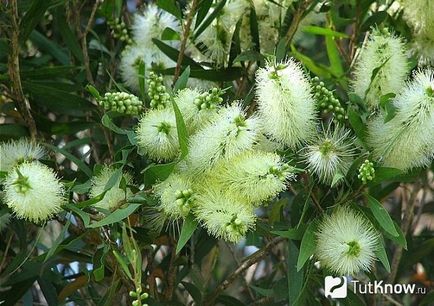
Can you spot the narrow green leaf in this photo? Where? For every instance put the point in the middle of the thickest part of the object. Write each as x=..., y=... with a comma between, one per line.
x=83, y=215
x=207, y=21
x=250, y=55
x=357, y=124
x=93, y=91
x=108, y=123
x=123, y=264
x=382, y=216
x=308, y=244
x=381, y=254
x=34, y=15
x=254, y=29
x=334, y=57
x=158, y=172
x=323, y=31
x=188, y=227
x=80, y=164
x=294, y=275
x=181, y=82
x=202, y=11
x=291, y=233
x=116, y=177
x=182, y=131
x=375, y=19
x=68, y=36
x=280, y=51
x=173, y=54
x=170, y=34
x=383, y=174
x=194, y=292
x=49, y=46
x=310, y=64
x=170, y=7
x=116, y=216
x=58, y=241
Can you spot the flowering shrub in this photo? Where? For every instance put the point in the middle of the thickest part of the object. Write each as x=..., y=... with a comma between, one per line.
x=215, y=152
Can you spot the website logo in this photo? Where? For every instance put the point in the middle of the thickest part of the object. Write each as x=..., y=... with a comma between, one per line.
x=335, y=287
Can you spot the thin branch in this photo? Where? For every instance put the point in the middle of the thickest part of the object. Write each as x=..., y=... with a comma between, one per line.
x=84, y=42
x=298, y=16
x=251, y=260
x=14, y=71
x=185, y=35
x=405, y=226
x=171, y=276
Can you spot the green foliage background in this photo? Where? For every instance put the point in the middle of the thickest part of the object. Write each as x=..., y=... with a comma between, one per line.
x=51, y=50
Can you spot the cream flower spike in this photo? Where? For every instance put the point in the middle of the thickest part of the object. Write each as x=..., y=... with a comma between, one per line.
x=229, y=134
x=406, y=141
x=157, y=135
x=17, y=151
x=331, y=152
x=253, y=175
x=115, y=196
x=176, y=196
x=387, y=53
x=33, y=192
x=224, y=217
x=346, y=242
x=285, y=103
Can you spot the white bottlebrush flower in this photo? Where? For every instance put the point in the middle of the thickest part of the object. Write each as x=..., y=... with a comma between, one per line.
x=195, y=113
x=131, y=57
x=230, y=134
x=33, y=192
x=270, y=17
x=176, y=196
x=115, y=196
x=217, y=37
x=346, y=242
x=419, y=15
x=406, y=141
x=224, y=217
x=15, y=152
x=286, y=106
x=253, y=175
x=217, y=41
x=330, y=153
x=151, y=25
x=386, y=52
x=157, y=135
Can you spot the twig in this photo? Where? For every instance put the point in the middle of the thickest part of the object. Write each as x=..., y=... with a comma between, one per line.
x=14, y=71
x=5, y=253
x=405, y=226
x=185, y=35
x=296, y=21
x=249, y=290
x=254, y=258
x=84, y=42
x=171, y=276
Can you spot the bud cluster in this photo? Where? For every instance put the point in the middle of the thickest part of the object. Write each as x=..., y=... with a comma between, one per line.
x=119, y=31
x=366, y=171
x=157, y=91
x=210, y=99
x=121, y=102
x=326, y=101
x=184, y=200
x=139, y=297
